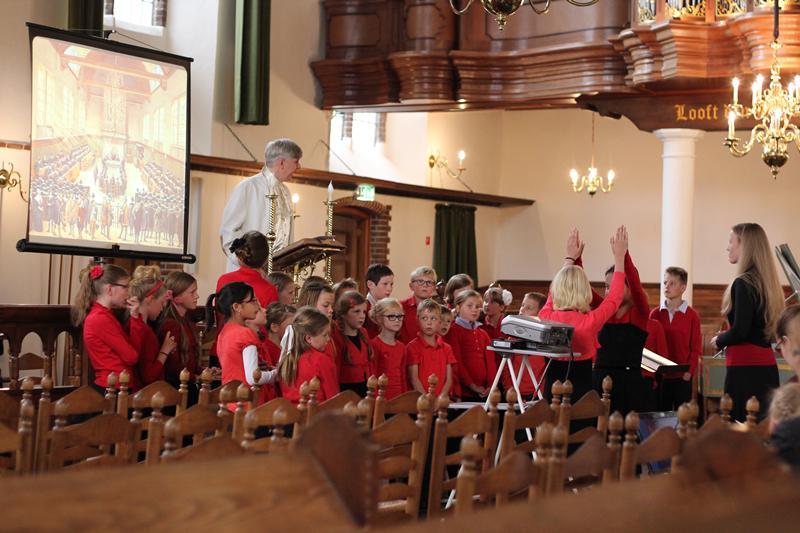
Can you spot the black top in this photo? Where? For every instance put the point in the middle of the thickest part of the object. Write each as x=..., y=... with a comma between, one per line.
x=746, y=317
x=620, y=346
x=356, y=340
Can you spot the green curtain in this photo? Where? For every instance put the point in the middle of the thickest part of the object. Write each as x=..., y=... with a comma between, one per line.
x=251, y=81
x=454, y=249
x=86, y=16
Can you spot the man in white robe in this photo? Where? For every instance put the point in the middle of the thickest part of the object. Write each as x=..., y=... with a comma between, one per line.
x=248, y=208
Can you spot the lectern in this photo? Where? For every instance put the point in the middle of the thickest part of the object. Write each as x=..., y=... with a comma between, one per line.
x=299, y=258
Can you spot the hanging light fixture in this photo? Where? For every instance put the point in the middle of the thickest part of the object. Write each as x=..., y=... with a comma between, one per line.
x=592, y=182
x=502, y=9
x=772, y=108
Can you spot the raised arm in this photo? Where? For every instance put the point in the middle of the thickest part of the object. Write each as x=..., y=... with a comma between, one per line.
x=640, y=313
x=574, y=256
x=609, y=306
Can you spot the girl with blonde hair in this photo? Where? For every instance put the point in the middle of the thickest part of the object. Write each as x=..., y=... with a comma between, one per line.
x=304, y=357
x=389, y=352
x=752, y=304
x=149, y=294
x=569, y=302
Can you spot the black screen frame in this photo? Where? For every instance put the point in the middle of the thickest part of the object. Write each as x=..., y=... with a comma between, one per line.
x=24, y=245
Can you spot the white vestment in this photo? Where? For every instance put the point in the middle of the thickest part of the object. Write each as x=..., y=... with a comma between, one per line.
x=248, y=209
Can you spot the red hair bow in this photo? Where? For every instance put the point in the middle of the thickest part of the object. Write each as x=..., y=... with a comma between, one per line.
x=96, y=271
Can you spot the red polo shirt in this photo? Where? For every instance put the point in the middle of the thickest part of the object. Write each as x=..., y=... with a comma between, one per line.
x=410, y=325
x=476, y=365
x=431, y=360
x=110, y=349
x=263, y=289
x=311, y=364
x=356, y=366
x=391, y=360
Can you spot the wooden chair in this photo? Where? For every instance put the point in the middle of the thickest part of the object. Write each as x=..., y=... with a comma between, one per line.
x=31, y=361
x=589, y=407
x=105, y=440
x=400, y=473
x=198, y=421
x=663, y=445
x=9, y=409
x=475, y=422
x=16, y=447
x=82, y=402
x=535, y=415
x=514, y=473
x=336, y=403
x=143, y=400
x=275, y=414
x=760, y=429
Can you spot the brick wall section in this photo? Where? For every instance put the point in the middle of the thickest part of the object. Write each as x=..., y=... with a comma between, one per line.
x=379, y=236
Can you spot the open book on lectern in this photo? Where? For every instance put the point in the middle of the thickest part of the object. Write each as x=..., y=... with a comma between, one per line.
x=652, y=362
x=790, y=268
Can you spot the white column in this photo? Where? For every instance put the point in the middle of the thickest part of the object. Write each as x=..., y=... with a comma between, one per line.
x=677, y=200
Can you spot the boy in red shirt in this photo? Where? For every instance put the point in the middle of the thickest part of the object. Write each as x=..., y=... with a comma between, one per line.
x=380, y=282
x=423, y=286
x=684, y=343
x=428, y=354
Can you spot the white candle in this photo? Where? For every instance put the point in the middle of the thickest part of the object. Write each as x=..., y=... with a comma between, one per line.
x=796, y=87
x=611, y=176
x=735, y=91
x=295, y=199
x=754, y=90
x=573, y=175
x=731, y=119
x=330, y=191
x=461, y=156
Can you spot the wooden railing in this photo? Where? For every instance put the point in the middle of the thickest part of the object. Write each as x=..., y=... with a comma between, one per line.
x=645, y=12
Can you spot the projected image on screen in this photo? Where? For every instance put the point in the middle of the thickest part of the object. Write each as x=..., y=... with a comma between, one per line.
x=108, y=150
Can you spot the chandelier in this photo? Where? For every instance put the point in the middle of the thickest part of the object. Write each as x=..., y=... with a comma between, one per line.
x=502, y=9
x=592, y=182
x=772, y=108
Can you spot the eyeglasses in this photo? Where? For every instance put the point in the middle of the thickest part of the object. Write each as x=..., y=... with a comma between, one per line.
x=123, y=285
x=394, y=318
x=424, y=282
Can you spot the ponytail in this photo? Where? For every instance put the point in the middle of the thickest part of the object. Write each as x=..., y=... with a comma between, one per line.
x=93, y=278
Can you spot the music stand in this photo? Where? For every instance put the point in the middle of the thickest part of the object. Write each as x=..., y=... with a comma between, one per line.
x=659, y=365
x=790, y=269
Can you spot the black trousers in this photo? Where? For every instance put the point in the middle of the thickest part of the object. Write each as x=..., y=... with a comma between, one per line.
x=627, y=389
x=674, y=393
x=742, y=382
x=580, y=375
x=359, y=388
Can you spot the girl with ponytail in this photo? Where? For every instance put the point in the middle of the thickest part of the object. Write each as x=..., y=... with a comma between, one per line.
x=251, y=249
x=149, y=294
x=110, y=349
x=175, y=321
x=237, y=344
x=304, y=358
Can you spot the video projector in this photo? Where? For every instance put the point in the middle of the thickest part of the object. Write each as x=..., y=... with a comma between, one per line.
x=536, y=334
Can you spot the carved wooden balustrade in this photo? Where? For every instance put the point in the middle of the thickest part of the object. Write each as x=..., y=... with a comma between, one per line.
x=47, y=322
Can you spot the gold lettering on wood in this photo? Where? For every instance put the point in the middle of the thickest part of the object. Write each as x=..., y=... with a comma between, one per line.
x=685, y=113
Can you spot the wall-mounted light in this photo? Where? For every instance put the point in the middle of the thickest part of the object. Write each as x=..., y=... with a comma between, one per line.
x=441, y=163
x=7, y=179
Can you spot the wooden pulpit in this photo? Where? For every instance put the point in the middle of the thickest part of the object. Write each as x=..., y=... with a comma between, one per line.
x=299, y=258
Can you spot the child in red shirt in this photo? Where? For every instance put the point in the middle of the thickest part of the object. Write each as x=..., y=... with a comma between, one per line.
x=317, y=293
x=149, y=293
x=530, y=307
x=495, y=301
x=569, y=302
x=457, y=284
x=237, y=343
x=353, y=350
x=532, y=303
x=423, y=286
x=681, y=325
x=388, y=352
x=110, y=348
x=279, y=318
x=284, y=284
x=303, y=358
x=175, y=321
x=251, y=250
x=476, y=365
x=428, y=354
x=444, y=328
x=380, y=282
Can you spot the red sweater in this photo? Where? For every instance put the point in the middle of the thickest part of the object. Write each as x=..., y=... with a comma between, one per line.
x=180, y=358
x=263, y=289
x=684, y=341
x=431, y=360
x=357, y=366
x=110, y=349
x=312, y=364
x=271, y=352
x=410, y=325
x=231, y=342
x=656, y=342
x=476, y=365
x=639, y=313
x=149, y=367
x=587, y=325
x=493, y=331
x=372, y=328
x=391, y=360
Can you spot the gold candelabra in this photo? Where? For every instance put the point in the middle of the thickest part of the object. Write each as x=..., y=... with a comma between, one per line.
x=7, y=179
x=772, y=109
x=502, y=9
x=592, y=182
x=271, y=236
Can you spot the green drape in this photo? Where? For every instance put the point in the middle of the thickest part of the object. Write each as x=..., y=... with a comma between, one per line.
x=251, y=81
x=454, y=249
x=86, y=16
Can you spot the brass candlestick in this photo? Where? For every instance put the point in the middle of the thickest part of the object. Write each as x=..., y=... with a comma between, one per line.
x=328, y=233
x=271, y=229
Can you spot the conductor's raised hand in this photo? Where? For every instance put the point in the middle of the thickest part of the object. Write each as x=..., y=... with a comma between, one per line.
x=574, y=245
x=619, y=243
